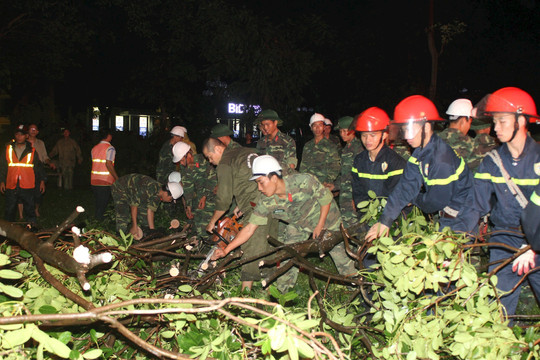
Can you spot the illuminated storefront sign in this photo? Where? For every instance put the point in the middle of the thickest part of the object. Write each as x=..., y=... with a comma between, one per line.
x=234, y=108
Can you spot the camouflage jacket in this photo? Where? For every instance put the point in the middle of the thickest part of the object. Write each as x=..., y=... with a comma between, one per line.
x=233, y=174
x=281, y=146
x=483, y=143
x=302, y=205
x=463, y=145
x=335, y=139
x=198, y=179
x=165, y=163
x=137, y=190
x=321, y=160
x=349, y=152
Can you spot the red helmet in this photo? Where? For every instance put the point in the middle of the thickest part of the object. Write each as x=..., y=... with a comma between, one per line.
x=509, y=100
x=372, y=119
x=415, y=108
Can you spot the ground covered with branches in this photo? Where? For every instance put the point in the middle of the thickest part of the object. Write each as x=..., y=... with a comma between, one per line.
x=85, y=293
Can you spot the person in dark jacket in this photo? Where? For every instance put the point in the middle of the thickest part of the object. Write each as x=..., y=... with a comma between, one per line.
x=435, y=179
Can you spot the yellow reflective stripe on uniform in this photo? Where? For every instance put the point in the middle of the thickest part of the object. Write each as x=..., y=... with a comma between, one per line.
x=377, y=176
x=500, y=179
x=449, y=179
x=413, y=160
x=20, y=165
x=99, y=160
x=101, y=172
x=535, y=198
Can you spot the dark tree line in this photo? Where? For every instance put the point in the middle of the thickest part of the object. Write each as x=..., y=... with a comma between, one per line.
x=187, y=58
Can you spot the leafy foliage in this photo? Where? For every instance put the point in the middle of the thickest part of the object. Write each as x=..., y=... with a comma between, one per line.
x=428, y=302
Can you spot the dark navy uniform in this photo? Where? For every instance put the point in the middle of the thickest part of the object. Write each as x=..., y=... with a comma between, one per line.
x=506, y=212
x=436, y=180
x=380, y=176
x=530, y=218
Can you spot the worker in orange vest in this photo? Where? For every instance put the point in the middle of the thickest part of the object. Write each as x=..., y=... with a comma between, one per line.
x=20, y=173
x=103, y=174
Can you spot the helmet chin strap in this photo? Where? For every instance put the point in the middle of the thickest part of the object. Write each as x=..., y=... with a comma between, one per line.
x=516, y=127
x=423, y=135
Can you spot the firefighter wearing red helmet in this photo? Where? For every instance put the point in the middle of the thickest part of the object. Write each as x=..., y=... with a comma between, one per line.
x=509, y=174
x=433, y=165
x=379, y=168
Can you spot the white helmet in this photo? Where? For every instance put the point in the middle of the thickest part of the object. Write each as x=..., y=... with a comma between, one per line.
x=327, y=122
x=316, y=118
x=179, y=150
x=179, y=131
x=264, y=165
x=175, y=176
x=458, y=108
x=175, y=189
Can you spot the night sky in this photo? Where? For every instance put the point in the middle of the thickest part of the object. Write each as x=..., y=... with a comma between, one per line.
x=337, y=57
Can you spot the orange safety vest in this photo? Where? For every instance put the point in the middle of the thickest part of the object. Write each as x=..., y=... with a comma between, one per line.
x=100, y=175
x=20, y=170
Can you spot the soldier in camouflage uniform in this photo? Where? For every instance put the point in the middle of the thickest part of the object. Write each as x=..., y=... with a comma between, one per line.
x=320, y=156
x=281, y=146
x=459, y=114
x=483, y=143
x=328, y=134
x=299, y=200
x=343, y=184
x=233, y=173
x=223, y=133
x=136, y=199
x=200, y=185
x=165, y=164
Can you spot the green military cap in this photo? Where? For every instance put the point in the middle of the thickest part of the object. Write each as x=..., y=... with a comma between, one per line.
x=480, y=123
x=344, y=123
x=268, y=114
x=220, y=130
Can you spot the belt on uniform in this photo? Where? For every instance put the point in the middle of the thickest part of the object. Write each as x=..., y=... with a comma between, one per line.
x=443, y=214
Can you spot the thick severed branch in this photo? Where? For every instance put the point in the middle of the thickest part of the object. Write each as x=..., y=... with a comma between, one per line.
x=78, y=264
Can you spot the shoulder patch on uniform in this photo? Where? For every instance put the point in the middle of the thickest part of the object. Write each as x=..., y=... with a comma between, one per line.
x=426, y=168
x=537, y=168
x=384, y=166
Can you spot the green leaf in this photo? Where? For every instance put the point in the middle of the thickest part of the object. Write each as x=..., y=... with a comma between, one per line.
x=65, y=337
x=11, y=291
x=304, y=350
x=167, y=334
x=362, y=204
x=10, y=274
x=11, y=339
x=74, y=355
x=372, y=194
x=277, y=336
x=308, y=324
x=291, y=348
x=48, y=309
x=4, y=259
x=92, y=354
x=25, y=254
x=34, y=293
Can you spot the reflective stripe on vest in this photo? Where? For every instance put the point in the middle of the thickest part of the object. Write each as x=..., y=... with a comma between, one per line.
x=20, y=171
x=445, y=181
x=535, y=198
x=377, y=176
x=500, y=179
x=100, y=175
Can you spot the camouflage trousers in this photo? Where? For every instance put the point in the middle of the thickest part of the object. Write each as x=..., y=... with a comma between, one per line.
x=348, y=213
x=122, y=210
x=200, y=220
x=292, y=235
x=256, y=245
